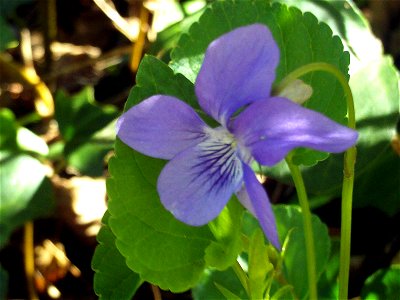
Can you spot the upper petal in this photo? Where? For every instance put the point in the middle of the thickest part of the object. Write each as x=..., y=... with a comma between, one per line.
x=271, y=128
x=197, y=183
x=255, y=199
x=238, y=68
x=161, y=126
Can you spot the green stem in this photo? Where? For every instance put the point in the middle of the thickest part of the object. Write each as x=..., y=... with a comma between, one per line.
x=307, y=223
x=348, y=169
x=345, y=231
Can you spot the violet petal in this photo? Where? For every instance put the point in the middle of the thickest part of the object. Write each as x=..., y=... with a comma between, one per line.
x=238, y=68
x=272, y=128
x=255, y=199
x=160, y=126
x=197, y=183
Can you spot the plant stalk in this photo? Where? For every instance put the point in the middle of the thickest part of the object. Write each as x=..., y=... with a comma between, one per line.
x=308, y=230
x=348, y=169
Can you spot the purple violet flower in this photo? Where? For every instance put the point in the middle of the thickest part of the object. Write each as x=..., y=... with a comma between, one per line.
x=208, y=165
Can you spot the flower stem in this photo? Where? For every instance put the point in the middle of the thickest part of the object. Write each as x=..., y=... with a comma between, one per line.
x=345, y=231
x=307, y=223
x=348, y=169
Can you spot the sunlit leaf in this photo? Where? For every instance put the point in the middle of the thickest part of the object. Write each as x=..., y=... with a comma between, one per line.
x=14, y=138
x=113, y=279
x=25, y=193
x=258, y=265
x=28, y=141
x=348, y=22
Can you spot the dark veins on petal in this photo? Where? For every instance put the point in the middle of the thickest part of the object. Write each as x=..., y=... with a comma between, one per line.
x=218, y=164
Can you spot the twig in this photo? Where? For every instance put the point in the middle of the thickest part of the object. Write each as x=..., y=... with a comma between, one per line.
x=49, y=28
x=119, y=22
x=156, y=292
x=74, y=67
x=29, y=259
x=137, y=50
x=44, y=103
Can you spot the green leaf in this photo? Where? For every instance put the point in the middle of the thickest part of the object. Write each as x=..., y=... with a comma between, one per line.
x=290, y=223
x=328, y=287
x=348, y=22
x=377, y=94
x=163, y=250
x=221, y=253
x=259, y=265
x=113, y=279
x=8, y=132
x=383, y=284
x=88, y=158
x=79, y=117
x=283, y=293
x=301, y=39
x=25, y=193
x=207, y=288
x=82, y=124
x=14, y=138
x=28, y=141
x=154, y=77
x=227, y=293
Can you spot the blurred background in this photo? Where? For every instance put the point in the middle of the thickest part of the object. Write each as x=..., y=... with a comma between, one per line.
x=66, y=69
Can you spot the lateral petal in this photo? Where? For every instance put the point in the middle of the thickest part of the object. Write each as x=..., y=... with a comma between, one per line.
x=253, y=196
x=161, y=126
x=197, y=183
x=272, y=128
x=238, y=68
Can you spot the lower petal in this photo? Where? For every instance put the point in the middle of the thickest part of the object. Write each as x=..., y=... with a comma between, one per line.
x=255, y=199
x=197, y=183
